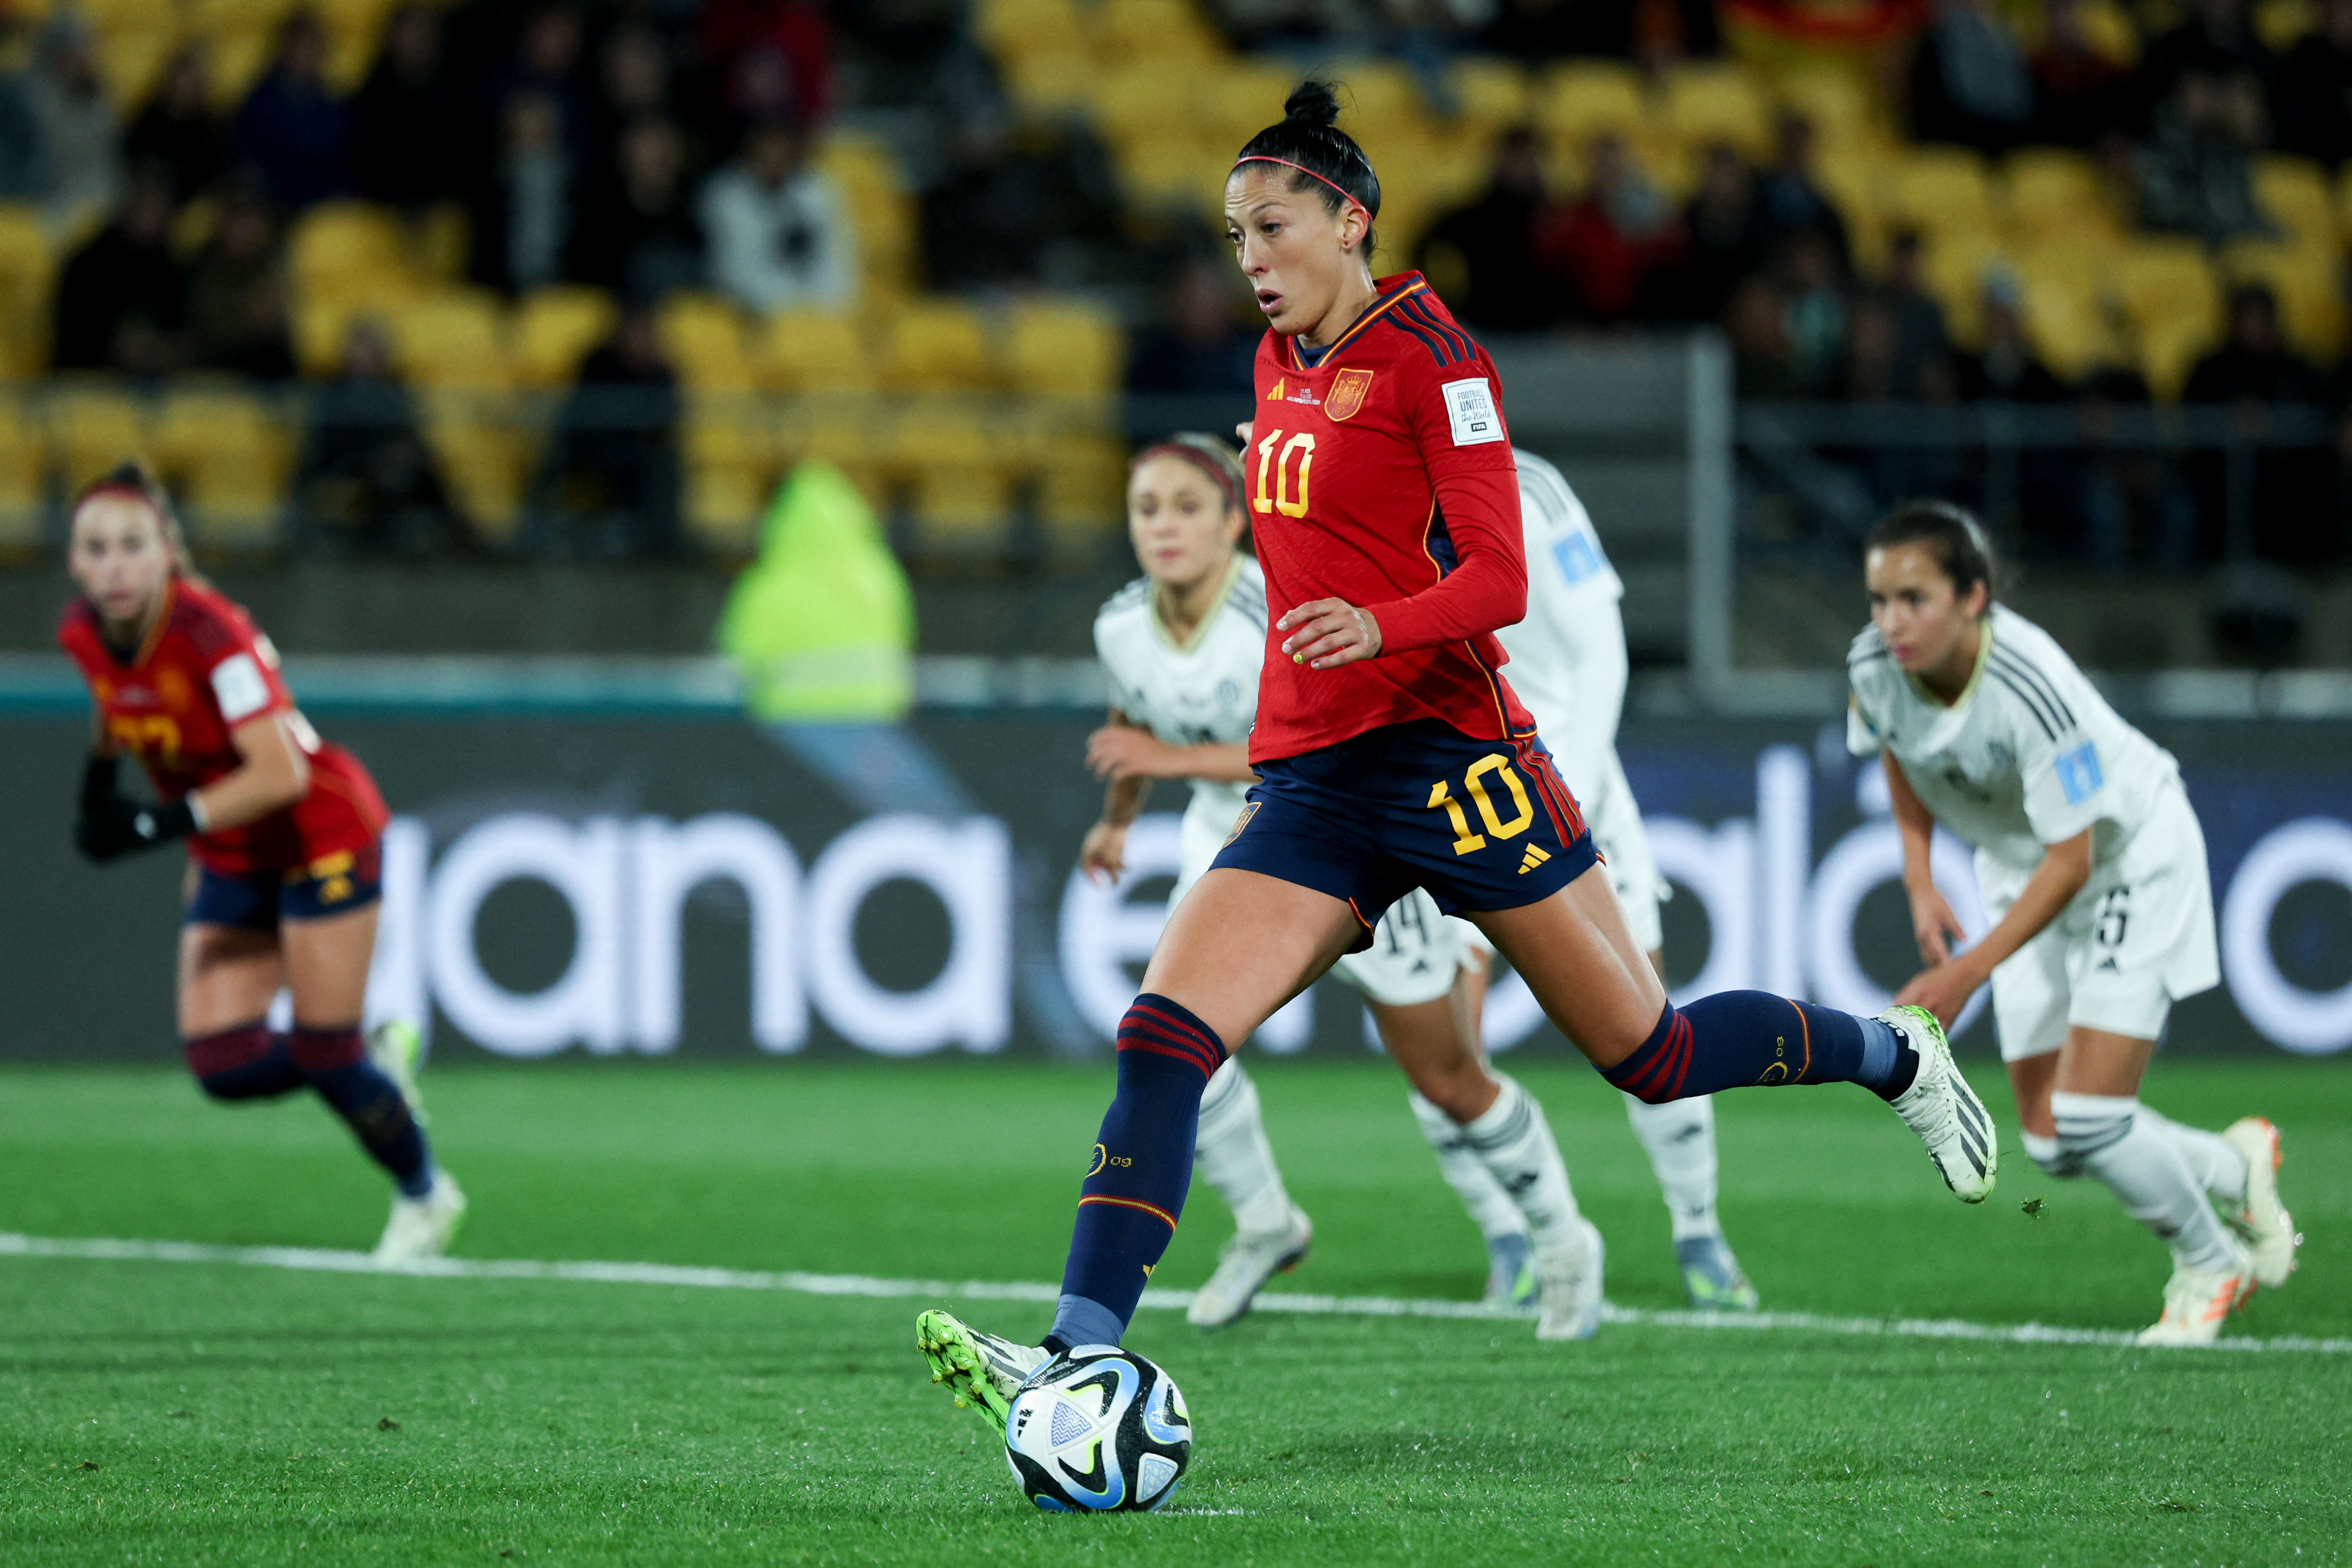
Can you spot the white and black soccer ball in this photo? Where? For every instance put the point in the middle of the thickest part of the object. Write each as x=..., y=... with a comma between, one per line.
x=1098, y=1428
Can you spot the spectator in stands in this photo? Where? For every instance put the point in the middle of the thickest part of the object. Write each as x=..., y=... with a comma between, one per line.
x=778, y=235
x=2079, y=90
x=1012, y=203
x=2313, y=89
x=1969, y=79
x=408, y=119
x=1655, y=33
x=1202, y=346
x=1484, y=252
x=2293, y=515
x=118, y=300
x=366, y=478
x=77, y=127
x=2130, y=492
x=639, y=235
x=1814, y=315
x=236, y=295
x=1923, y=348
x=1870, y=372
x=545, y=61
x=613, y=464
x=1795, y=202
x=24, y=167
x=633, y=84
x=1762, y=365
x=2006, y=370
x=181, y=131
x=774, y=58
x=1608, y=246
x=2216, y=40
x=528, y=203
x=2196, y=173
x=1728, y=239
x=292, y=128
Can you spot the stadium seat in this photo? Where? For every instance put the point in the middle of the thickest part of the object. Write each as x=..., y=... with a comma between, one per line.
x=1147, y=99
x=1240, y=100
x=2293, y=192
x=453, y=338
x=1710, y=103
x=1490, y=92
x=812, y=351
x=1011, y=27
x=1081, y=496
x=21, y=488
x=703, y=335
x=732, y=458
x=2067, y=320
x=1177, y=172
x=1581, y=99
x=1049, y=82
x=556, y=328
x=938, y=344
x=1151, y=30
x=959, y=488
x=867, y=175
x=2049, y=191
x=1065, y=347
x=228, y=454
x=130, y=43
x=1941, y=189
x=2166, y=290
x=2305, y=279
x=1838, y=103
x=2280, y=23
x=347, y=249
x=483, y=459
x=28, y=267
x=94, y=425
x=1955, y=265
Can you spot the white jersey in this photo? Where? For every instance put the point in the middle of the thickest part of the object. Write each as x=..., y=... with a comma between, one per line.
x=2030, y=755
x=1202, y=692
x=1568, y=657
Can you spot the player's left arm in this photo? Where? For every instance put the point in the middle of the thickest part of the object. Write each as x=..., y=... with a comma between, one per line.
x=274, y=775
x=1127, y=751
x=2064, y=871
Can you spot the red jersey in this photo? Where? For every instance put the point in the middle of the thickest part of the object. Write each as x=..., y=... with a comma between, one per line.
x=1381, y=473
x=204, y=670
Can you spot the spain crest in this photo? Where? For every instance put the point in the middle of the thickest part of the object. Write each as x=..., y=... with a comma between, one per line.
x=1348, y=390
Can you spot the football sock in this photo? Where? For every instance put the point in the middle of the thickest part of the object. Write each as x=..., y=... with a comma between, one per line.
x=1680, y=1139
x=1491, y=1208
x=1737, y=1040
x=2051, y=1156
x=2145, y=1168
x=2214, y=1163
x=248, y=1062
x=1233, y=1157
x=1142, y=1163
x=335, y=1063
x=1514, y=1142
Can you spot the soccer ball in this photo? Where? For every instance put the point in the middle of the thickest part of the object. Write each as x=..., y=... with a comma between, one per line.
x=1097, y=1428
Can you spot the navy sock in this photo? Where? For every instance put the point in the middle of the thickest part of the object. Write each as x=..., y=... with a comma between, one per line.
x=1141, y=1166
x=334, y=1062
x=1736, y=1039
x=248, y=1062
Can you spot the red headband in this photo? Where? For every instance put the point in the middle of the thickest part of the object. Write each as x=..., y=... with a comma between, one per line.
x=1199, y=460
x=1269, y=158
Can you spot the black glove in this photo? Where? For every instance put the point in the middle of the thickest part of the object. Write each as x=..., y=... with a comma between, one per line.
x=112, y=828
x=98, y=781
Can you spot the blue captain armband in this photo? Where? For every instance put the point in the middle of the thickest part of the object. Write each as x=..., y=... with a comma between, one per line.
x=2079, y=775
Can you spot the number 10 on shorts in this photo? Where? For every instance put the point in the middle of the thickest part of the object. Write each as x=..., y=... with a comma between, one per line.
x=1473, y=783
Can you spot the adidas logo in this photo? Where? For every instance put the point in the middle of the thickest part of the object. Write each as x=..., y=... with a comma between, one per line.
x=1276, y=396
x=2109, y=966
x=1533, y=857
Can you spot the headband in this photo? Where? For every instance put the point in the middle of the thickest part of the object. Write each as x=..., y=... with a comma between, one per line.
x=1268, y=158
x=1199, y=460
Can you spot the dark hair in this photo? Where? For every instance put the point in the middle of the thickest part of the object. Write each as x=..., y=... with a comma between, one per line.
x=1323, y=158
x=1952, y=534
x=132, y=478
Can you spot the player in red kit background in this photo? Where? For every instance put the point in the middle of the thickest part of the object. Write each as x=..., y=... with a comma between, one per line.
x=1392, y=754
x=282, y=832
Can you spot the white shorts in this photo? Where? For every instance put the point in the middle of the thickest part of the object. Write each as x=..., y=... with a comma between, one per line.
x=1625, y=844
x=2137, y=939
x=1414, y=956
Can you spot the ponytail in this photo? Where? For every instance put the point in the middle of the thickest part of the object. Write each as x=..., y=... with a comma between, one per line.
x=1322, y=158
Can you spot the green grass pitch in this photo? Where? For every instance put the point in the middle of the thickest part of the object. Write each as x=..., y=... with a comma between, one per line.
x=209, y=1414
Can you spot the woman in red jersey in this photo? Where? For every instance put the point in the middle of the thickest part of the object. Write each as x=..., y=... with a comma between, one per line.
x=1392, y=754
x=282, y=842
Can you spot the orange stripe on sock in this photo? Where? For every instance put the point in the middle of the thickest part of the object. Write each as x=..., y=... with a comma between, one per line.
x=1807, y=1035
x=1152, y=1209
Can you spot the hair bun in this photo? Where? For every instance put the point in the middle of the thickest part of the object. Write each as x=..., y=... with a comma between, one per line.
x=1312, y=103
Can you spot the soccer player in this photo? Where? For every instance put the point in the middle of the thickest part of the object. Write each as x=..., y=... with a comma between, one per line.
x=1392, y=754
x=2093, y=870
x=282, y=834
x=1184, y=647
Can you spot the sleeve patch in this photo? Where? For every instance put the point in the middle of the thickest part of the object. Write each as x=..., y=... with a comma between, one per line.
x=237, y=683
x=2078, y=774
x=1576, y=558
x=1470, y=408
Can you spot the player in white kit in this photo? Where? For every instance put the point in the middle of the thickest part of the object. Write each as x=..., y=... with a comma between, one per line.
x=1184, y=647
x=2092, y=867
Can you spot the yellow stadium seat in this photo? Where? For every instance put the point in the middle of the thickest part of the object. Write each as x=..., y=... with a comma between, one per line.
x=1378, y=94
x=228, y=454
x=1240, y=100
x=454, y=338
x=2305, y=281
x=2067, y=322
x=732, y=458
x=2168, y=292
x=483, y=461
x=1710, y=103
x=1490, y=92
x=1177, y=172
x=811, y=351
x=345, y=247
x=1065, y=347
x=2053, y=189
x=1838, y=103
x=1160, y=30
x=704, y=337
x=939, y=344
x=1011, y=26
x=1581, y=99
x=2294, y=193
x=1147, y=99
x=555, y=328
x=27, y=267
x=2280, y=23
x=93, y=426
x=867, y=175
x=130, y=55
x=1051, y=81
x=20, y=480
x=1081, y=495
x=1955, y=265
x=1941, y=188
x=958, y=487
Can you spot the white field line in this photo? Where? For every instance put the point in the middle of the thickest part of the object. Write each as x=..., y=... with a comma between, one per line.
x=323, y=1260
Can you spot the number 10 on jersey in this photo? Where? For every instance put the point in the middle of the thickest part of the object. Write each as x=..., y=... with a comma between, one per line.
x=1302, y=447
x=1473, y=783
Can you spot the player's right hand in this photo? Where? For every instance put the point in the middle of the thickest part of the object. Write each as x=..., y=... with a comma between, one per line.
x=1103, y=857
x=1933, y=924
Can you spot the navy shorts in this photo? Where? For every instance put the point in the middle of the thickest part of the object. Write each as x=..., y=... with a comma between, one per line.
x=1482, y=825
x=331, y=885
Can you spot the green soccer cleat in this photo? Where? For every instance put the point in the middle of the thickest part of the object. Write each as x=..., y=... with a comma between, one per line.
x=983, y=1370
x=396, y=1050
x=1712, y=1277
x=1511, y=1282
x=1941, y=1108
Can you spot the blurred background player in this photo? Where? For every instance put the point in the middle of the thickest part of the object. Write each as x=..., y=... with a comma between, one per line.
x=2092, y=866
x=282, y=831
x=1184, y=645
